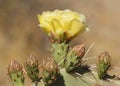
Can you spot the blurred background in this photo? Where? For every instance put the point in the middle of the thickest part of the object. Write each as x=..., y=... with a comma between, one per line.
x=20, y=35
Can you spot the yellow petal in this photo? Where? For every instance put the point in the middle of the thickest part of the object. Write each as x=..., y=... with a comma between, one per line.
x=45, y=25
x=65, y=20
x=57, y=27
x=76, y=27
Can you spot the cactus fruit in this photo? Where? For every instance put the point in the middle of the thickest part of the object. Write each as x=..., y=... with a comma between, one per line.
x=74, y=58
x=15, y=73
x=32, y=69
x=49, y=71
x=103, y=65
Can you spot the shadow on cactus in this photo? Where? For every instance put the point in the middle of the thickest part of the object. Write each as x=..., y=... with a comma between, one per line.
x=67, y=66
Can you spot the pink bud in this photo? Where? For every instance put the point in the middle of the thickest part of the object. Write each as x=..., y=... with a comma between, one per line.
x=79, y=50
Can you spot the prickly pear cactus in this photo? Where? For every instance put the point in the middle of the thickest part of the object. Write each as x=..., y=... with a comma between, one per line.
x=67, y=66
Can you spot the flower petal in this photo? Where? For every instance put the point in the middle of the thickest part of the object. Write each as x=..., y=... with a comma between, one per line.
x=76, y=27
x=57, y=27
x=46, y=26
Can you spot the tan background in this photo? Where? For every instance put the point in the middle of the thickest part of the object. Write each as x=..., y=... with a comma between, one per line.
x=20, y=35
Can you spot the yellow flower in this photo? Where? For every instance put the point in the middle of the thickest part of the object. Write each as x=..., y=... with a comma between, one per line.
x=62, y=26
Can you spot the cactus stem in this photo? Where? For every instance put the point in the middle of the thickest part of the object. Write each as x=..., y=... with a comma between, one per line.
x=85, y=77
x=60, y=52
x=92, y=75
x=18, y=84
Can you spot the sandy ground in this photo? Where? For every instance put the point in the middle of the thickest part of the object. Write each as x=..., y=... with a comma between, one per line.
x=20, y=35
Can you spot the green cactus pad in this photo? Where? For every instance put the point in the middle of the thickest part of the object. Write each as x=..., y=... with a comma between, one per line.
x=75, y=80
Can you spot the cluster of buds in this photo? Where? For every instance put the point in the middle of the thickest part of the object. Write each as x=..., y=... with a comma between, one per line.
x=104, y=64
x=49, y=71
x=32, y=69
x=74, y=57
x=62, y=26
x=16, y=73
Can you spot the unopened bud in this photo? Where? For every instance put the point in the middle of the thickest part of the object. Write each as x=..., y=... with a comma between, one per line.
x=31, y=67
x=14, y=66
x=32, y=60
x=50, y=65
x=15, y=73
x=74, y=58
x=105, y=58
x=79, y=50
x=103, y=65
x=49, y=71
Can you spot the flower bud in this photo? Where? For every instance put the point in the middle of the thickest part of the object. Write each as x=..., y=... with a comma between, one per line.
x=79, y=50
x=104, y=64
x=16, y=74
x=74, y=58
x=14, y=66
x=32, y=60
x=105, y=58
x=50, y=65
x=31, y=67
x=49, y=71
